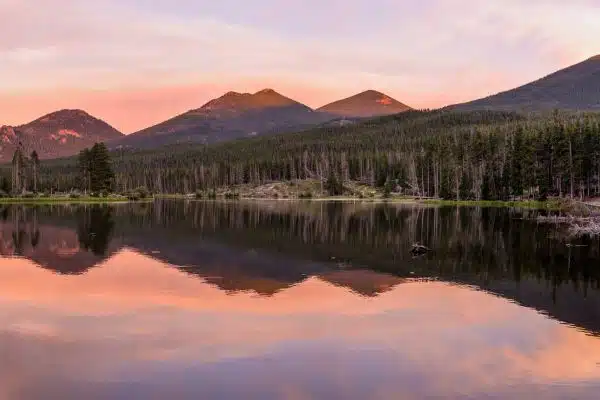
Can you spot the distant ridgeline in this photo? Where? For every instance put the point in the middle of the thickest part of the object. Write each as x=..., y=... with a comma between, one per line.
x=443, y=153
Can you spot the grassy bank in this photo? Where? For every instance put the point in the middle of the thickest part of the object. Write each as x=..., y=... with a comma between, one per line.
x=556, y=205
x=63, y=200
x=309, y=189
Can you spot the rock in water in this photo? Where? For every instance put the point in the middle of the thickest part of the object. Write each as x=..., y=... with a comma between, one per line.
x=419, y=250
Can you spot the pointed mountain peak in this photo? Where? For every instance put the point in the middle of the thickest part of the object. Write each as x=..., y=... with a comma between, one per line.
x=378, y=97
x=370, y=92
x=271, y=98
x=369, y=103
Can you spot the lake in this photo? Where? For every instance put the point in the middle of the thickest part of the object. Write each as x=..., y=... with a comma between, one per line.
x=294, y=300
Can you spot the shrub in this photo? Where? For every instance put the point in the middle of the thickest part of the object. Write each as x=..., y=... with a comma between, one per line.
x=306, y=195
x=28, y=195
x=334, y=186
x=199, y=194
x=3, y=194
x=74, y=195
x=232, y=195
x=387, y=189
x=133, y=196
x=139, y=193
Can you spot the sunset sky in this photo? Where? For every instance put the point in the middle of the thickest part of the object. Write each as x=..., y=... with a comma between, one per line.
x=137, y=62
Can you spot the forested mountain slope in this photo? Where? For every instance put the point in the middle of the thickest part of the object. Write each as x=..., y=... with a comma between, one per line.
x=457, y=155
x=231, y=116
x=574, y=88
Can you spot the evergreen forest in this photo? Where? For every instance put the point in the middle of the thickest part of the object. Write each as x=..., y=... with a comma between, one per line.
x=474, y=155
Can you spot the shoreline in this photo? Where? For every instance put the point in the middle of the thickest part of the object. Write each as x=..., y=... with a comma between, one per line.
x=550, y=205
x=62, y=200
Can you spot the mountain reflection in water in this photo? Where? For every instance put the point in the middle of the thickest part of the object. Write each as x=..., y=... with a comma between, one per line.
x=293, y=300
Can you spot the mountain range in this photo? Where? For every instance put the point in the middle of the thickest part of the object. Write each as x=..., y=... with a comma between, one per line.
x=231, y=116
x=240, y=115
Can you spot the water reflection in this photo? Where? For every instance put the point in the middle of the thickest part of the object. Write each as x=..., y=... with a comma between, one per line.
x=211, y=300
x=94, y=229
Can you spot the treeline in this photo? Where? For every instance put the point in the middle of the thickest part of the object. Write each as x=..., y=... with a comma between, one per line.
x=26, y=176
x=453, y=155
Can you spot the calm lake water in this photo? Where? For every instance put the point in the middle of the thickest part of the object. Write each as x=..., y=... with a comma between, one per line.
x=284, y=300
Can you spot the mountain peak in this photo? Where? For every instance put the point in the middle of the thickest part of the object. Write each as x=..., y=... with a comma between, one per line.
x=369, y=103
x=271, y=98
x=64, y=114
x=71, y=112
x=235, y=101
x=58, y=134
x=594, y=58
x=267, y=91
x=370, y=92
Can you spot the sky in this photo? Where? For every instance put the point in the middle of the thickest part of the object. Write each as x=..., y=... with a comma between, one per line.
x=134, y=63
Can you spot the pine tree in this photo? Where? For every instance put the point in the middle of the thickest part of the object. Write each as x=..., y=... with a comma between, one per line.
x=35, y=164
x=85, y=169
x=518, y=159
x=388, y=187
x=96, y=170
x=18, y=166
x=95, y=229
x=102, y=175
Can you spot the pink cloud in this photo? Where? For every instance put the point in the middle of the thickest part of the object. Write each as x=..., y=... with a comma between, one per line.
x=134, y=66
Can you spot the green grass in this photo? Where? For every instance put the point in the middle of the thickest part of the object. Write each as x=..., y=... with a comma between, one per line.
x=174, y=196
x=546, y=205
x=62, y=200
